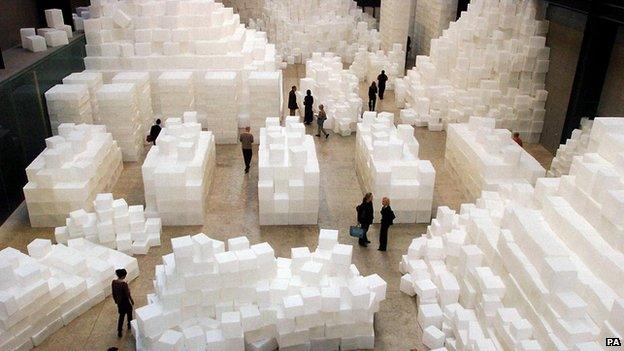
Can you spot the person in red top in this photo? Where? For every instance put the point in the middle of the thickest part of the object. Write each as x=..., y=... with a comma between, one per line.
x=516, y=138
x=123, y=299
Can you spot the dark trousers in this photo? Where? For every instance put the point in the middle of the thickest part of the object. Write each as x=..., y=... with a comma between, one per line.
x=292, y=111
x=247, y=153
x=121, y=320
x=383, y=237
x=371, y=103
x=382, y=89
x=364, y=238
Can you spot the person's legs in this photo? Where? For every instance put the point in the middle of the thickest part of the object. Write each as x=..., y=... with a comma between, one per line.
x=383, y=238
x=247, y=153
x=292, y=111
x=129, y=318
x=324, y=132
x=372, y=104
x=381, y=92
x=120, y=324
x=364, y=239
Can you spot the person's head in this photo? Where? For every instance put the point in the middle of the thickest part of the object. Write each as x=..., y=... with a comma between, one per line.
x=121, y=273
x=516, y=135
x=321, y=107
x=385, y=201
x=248, y=129
x=294, y=88
x=158, y=121
x=373, y=84
x=308, y=92
x=368, y=197
x=383, y=72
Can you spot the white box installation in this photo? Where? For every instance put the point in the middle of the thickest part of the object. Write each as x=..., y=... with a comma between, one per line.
x=141, y=81
x=246, y=299
x=288, y=180
x=394, y=22
x=114, y=224
x=246, y=9
x=530, y=267
x=387, y=165
x=178, y=43
x=575, y=146
x=432, y=18
x=118, y=106
x=222, y=117
x=266, y=89
x=80, y=162
x=484, y=158
x=68, y=103
x=300, y=28
x=93, y=81
x=51, y=286
x=337, y=89
x=178, y=171
x=368, y=65
x=485, y=68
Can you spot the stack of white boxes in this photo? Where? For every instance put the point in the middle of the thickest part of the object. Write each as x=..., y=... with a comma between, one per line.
x=575, y=146
x=51, y=287
x=288, y=180
x=484, y=68
x=246, y=299
x=93, y=80
x=336, y=89
x=114, y=224
x=177, y=172
x=80, y=162
x=221, y=118
x=119, y=112
x=141, y=81
x=31, y=41
x=484, y=158
x=529, y=268
x=267, y=100
x=246, y=9
x=57, y=34
x=299, y=29
x=394, y=22
x=368, y=65
x=178, y=42
x=387, y=165
x=68, y=103
x=432, y=18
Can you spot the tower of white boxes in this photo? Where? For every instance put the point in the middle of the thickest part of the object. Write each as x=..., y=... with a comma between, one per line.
x=68, y=104
x=484, y=158
x=51, y=286
x=177, y=172
x=93, y=80
x=334, y=87
x=119, y=112
x=394, y=22
x=246, y=299
x=432, y=17
x=266, y=99
x=221, y=118
x=80, y=162
x=575, y=146
x=141, y=81
x=387, y=165
x=288, y=180
x=533, y=268
x=484, y=68
x=178, y=42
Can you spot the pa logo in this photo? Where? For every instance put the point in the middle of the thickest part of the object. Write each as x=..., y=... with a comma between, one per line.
x=613, y=342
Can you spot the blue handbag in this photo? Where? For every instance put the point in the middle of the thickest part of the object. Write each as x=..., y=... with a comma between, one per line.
x=356, y=232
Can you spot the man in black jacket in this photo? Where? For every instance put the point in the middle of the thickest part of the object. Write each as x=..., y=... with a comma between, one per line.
x=365, y=216
x=382, y=79
x=387, y=219
x=155, y=131
x=372, y=96
x=292, y=101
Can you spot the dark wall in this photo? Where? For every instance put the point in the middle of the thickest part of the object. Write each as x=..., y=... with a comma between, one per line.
x=16, y=14
x=612, y=97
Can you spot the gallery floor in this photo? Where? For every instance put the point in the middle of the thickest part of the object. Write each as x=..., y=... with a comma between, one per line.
x=233, y=211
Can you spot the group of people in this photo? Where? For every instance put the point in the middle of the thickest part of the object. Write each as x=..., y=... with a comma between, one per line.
x=365, y=217
x=377, y=89
x=308, y=116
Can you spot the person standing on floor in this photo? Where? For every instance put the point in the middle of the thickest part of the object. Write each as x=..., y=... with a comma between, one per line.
x=308, y=102
x=387, y=219
x=154, y=132
x=365, y=214
x=123, y=299
x=247, y=139
x=292, y=101
x=382, y=79
x=372, y=96
x=320, y=120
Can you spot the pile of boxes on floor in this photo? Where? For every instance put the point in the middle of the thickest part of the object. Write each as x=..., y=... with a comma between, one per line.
x=82, y=13
x=177, y=172
x=178, y=42
x=337, y=89
x=56, y=34
x=484, y=158
x=298, y=28
x=484, y=68
x=387, y=165
x=575, y=146
x=80, y=162
x=394, y=22
x=528, y=268
x=288, y=174
x=51, y=286
x=432, y=18
x=114, y=225
x=246, y=299
x=368, y=65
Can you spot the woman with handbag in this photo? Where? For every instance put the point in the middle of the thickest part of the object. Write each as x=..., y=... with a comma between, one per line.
x=365, y=214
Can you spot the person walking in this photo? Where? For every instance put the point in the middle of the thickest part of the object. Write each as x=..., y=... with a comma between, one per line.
x=308, y=102
x=322, y=116
x=365, y=214
x=292, y=101
x=387, y=219
x=382, y=79
x=372, y=96
x=154, y=132
x=123, y=299
x=247, y=139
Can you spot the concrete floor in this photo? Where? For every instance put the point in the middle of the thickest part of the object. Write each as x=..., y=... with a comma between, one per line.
x=233, y=211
